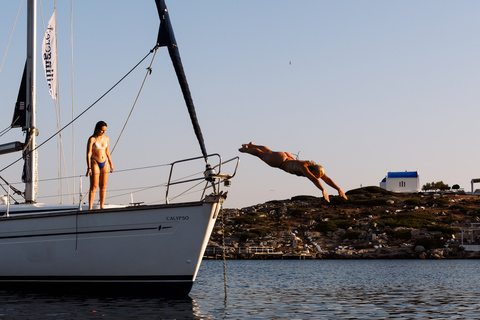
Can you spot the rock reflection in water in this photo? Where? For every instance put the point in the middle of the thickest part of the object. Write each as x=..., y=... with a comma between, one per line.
x=341, y=289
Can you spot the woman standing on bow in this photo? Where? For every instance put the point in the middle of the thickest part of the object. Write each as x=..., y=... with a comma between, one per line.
x=97, y=157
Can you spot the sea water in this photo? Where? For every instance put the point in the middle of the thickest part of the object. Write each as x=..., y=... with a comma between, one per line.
x=286, y=289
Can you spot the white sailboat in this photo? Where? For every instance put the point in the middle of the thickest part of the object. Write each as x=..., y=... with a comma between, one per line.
x=136, y=248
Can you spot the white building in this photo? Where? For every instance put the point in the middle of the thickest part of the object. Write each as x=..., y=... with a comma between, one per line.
x=408, y=181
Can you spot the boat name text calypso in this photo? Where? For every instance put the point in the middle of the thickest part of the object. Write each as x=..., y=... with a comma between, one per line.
x=177, y=218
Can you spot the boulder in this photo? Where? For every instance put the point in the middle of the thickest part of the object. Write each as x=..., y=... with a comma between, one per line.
x=420, y=249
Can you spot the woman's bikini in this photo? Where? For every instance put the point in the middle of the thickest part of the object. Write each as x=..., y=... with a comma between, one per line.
x=98, y=146
x=293, y=169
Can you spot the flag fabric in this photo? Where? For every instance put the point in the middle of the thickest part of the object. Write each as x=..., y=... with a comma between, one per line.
x=49, y=56
x=20, y=112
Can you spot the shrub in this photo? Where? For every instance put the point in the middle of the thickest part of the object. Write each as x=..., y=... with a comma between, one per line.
x=442, y=236
x=465, y=209
x=247, y=235
x=370, y=189
x=370, y=202
x=304, y=198
x=345, y=224
x=325, y=226
x=438, y=202
x=332, y=216
x=249, y=219
x=297, y=211
x=254, y=233
x=404, y=234
x=428, y=243
x=413, y=202
x=337, y=200
x=449, y=220
x=443, y=229
x=352, y=234
x=278, y=202
x=261, y=232
x=363, y=246
x=407, y=220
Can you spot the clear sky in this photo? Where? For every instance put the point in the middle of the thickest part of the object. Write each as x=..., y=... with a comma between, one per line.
x=361, y=87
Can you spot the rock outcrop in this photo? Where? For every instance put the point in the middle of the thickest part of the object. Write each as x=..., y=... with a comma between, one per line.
x=372, y=224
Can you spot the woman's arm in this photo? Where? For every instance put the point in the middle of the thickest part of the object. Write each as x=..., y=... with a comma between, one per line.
x=333, y=185
x=315, y=180
x=89, y=156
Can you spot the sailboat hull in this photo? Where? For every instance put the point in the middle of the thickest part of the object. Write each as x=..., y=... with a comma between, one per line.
x=144, y=249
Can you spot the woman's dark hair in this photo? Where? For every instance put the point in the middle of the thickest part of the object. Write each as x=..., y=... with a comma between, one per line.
x=98, y=127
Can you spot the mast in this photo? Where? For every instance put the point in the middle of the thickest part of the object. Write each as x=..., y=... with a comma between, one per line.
x=30, y=154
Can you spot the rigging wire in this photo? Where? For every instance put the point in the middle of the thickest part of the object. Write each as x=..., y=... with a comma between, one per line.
x=149, y=72
x=131, y=190
x=116, y=172
x=11, y=34
x=4, y=131
x=9, y=195
x=83, y=112
x=15, y=190
x=11, y=187
x=60, y=150
x=145, y=188
x=184, y=192
x=73, y=113
x=41, y=14
x=139, y=189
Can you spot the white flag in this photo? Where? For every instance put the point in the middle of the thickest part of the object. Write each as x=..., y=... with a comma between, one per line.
x=49, y=55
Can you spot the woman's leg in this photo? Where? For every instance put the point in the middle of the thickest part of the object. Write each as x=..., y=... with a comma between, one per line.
x=94, y=177
x=103, y=184
x=252, y=147
x=272, y=158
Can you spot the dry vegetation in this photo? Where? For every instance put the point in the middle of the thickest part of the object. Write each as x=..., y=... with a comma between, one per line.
x=373, y=220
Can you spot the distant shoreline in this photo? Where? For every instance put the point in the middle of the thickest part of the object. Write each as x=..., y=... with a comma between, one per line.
x=373, y=224
x=383, y=253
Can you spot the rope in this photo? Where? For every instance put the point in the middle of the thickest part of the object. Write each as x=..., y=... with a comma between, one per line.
x=223, y=251
x=83, y=112
x=11, y=34
x=149, y=72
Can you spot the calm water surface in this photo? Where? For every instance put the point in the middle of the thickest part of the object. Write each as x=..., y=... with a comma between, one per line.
x=287, y=289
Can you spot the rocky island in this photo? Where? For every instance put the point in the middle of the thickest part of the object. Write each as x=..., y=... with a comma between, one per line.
x=373, y=224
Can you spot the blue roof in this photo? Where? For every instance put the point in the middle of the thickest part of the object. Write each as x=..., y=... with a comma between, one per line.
x=406, y=174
